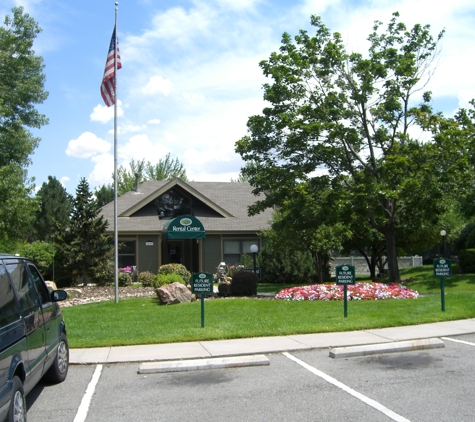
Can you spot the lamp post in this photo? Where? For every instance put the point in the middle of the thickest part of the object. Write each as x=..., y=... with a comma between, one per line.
x=254, y=250
x=443, y=233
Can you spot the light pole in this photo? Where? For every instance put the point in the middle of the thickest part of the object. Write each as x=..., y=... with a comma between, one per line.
x=254, y=250
x=443, y=233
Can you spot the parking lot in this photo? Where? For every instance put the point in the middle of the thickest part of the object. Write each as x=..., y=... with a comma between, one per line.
x=426, y=385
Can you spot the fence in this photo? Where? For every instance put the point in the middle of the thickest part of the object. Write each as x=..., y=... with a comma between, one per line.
x=361, y=267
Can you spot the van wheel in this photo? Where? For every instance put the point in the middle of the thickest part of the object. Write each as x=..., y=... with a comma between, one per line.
x=17, y=411
x=59, y=369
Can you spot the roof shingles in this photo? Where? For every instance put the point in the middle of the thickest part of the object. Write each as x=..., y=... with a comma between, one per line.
x=233, y=197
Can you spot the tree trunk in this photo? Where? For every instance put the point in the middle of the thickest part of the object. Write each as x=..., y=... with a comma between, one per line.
x=391, y=249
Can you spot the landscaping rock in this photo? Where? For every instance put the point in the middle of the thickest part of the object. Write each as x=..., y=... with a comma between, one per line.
x=91, y=294
x=73, y=293
x=174, y=293
x=51, y=285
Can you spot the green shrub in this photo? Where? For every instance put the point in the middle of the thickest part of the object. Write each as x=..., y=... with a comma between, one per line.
x=281, y=265
x=224, y=289
x=40, y=252
x=103, y=274
x=176, y=269
x=467, y=261
x=146, y=278
x=466, y=239
x=124, y=279
x=244, y=283
x=162, y=279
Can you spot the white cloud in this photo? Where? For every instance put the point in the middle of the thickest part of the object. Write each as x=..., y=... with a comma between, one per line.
x=140, y=147
x=154, y=122
x=465, y=96
x=103, y=170
x=104, y=114
x=157, y=84
x=128, y=128
x=64, y=180
x=193, y=98
x=87, y=146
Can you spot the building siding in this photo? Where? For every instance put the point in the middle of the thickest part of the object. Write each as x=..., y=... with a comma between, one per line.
x=212, y=254
x=148, y=256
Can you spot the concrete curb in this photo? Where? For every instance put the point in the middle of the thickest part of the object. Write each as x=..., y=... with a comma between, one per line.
x=372, y=349
x=200, y=364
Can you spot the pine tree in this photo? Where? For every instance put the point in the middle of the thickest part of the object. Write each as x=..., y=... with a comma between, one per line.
x=84, y=243
x=56, y=206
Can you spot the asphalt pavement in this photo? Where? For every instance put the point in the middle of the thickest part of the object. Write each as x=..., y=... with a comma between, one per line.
x=239, y=352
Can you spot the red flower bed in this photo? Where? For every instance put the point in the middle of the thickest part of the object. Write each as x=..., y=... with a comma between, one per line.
x=358, y=291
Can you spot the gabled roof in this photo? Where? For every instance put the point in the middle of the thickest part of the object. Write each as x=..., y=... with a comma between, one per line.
x=228, y=200
x=167, y=186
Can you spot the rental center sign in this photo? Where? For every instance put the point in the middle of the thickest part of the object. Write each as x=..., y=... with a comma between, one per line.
x=184, y=227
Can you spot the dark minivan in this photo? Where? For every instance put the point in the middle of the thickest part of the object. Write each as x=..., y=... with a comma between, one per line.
x=33, y=342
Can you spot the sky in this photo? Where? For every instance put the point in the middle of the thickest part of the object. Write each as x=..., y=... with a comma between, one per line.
x=190, y=76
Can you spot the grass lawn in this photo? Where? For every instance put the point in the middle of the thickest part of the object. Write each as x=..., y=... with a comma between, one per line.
x=145, y=321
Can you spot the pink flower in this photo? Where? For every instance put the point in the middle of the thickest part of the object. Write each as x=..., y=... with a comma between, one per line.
x=358, y=291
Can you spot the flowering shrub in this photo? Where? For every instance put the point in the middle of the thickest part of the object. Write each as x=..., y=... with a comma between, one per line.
x=358, y=291
x=124, y=279
x=146, y=278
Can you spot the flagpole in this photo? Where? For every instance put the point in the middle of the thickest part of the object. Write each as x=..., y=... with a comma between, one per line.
x=116, y=231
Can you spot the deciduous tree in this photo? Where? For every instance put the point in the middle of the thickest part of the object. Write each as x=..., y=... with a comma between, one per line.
x=350, y=115
x=21, y=88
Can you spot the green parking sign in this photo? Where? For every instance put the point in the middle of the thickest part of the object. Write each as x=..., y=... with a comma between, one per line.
x=202, y=283
x=345, y=274
x=442, y=268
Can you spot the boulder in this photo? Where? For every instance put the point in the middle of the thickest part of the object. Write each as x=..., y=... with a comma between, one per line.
x=51, y=285
x=73, y=293
x=173, y=293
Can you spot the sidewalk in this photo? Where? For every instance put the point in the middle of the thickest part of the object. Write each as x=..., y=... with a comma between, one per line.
x=249, y=346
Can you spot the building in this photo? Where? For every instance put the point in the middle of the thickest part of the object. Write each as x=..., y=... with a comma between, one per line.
x=197, y=224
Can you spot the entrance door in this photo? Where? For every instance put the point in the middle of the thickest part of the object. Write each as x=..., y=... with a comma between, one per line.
x=174, y=252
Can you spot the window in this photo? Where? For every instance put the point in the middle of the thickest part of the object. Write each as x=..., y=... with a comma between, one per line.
x=234, y=249
x=8, y=307
x=172, y=204
x=24, y=286
x=40, y=285
x=126, y=253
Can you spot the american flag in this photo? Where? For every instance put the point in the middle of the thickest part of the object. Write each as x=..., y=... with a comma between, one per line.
x=108, y=80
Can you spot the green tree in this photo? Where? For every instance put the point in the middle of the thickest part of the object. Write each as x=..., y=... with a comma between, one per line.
x=18, y=208
x=83, y=242
x=139, y=172
x=165, y=169
x=21, y=87
x=56, y=207
x=104, y=194
x=350, y=115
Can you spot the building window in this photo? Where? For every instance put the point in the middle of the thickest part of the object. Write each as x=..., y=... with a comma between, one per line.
x=126, y=253
x=234, y=249
x=172, y=204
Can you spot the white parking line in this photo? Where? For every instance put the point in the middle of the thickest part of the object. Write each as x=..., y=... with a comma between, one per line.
x=458, y=341
x=86, y=400
x=378, y=406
